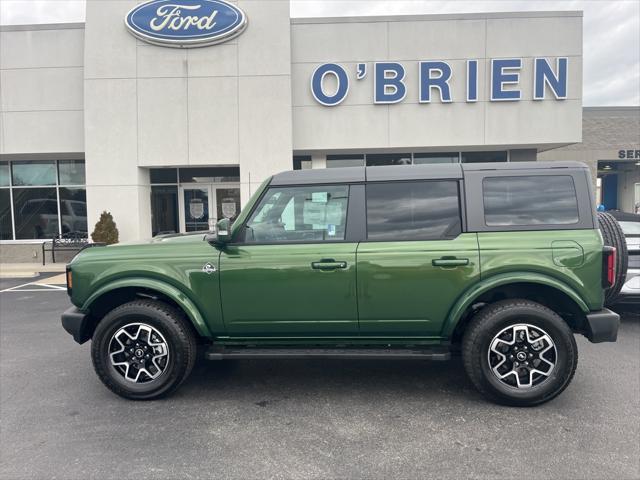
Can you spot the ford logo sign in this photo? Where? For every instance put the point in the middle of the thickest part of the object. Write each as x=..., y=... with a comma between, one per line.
x=186, y=23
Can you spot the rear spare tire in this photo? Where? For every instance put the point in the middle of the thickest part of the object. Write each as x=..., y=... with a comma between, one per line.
x=613, y=236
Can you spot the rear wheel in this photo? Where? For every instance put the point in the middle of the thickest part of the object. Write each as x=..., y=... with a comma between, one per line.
x=518, y=352
x=143, y=350
x=613, y=236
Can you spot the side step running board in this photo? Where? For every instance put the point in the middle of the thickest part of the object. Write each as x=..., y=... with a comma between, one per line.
x=222, y=353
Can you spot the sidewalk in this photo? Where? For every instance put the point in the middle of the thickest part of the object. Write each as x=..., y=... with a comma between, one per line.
x=28, y=270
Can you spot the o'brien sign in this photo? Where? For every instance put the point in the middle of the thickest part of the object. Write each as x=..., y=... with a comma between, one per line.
x=434, y=78
x=186, y=23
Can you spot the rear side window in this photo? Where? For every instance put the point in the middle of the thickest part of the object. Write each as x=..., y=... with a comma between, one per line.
x=425, y=210
x=530, y=200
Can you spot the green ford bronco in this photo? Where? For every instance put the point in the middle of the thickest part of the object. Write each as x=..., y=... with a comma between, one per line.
x=502, y=263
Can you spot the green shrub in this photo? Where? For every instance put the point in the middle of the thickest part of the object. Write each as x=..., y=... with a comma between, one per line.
x=105, y=230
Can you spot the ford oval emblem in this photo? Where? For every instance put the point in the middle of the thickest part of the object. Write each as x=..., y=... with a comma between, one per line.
x=186, y=23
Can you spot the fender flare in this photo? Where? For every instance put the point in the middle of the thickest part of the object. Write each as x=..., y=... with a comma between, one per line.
x=468, y=297
x=159, y=286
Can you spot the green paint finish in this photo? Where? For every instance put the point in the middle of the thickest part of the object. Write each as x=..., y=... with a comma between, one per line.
x=171, y=266
x=274, y=289
x=407, y=288
x=533, y=252
x=338, y=293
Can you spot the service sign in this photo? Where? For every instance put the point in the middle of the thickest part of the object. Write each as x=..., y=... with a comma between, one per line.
x=186, y=23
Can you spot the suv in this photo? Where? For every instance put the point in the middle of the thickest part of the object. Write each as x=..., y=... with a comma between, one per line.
x=501, y=262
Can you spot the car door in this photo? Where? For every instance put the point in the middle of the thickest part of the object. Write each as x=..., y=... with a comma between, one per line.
x=293, y=272
x=416, y=261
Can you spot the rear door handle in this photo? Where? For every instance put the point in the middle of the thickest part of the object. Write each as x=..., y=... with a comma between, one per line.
x=328, y=264
x=450, y=262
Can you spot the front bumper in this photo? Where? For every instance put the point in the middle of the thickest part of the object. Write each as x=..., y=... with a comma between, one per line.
x=77, y=323
x=602, y=326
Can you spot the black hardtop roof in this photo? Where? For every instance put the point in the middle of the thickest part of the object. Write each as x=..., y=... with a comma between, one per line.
x=406, y=172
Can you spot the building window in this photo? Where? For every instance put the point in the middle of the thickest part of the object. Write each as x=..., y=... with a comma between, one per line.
x=6, y=226
x=33, y=173
x=164, y=209
x=35, y=212
x=302, y=162
x=209, y=174
x=420, y=158
x=426, y=158
x=424, y=210
x=381, y=159
x=71, y=172
x=163, y=175
x=483, y=157
x=338, y=161
x=41, y=199
x=4, y=174
x=510, y=201
x=166, y=191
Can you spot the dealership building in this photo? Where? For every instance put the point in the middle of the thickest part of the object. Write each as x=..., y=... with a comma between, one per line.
x=169, y=138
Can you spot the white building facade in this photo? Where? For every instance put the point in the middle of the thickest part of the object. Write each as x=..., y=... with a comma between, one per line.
x=93, y=118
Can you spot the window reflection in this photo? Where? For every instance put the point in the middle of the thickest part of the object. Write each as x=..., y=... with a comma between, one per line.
x=6, y=232
x=73, y=210
x=422, y=210
x=33, y=173
x=36, y=212
x=531, y=200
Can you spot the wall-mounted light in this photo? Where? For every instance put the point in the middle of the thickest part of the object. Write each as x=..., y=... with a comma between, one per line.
x=607, y=167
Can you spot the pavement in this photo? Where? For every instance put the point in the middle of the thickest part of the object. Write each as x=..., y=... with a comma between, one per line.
x=301, y=419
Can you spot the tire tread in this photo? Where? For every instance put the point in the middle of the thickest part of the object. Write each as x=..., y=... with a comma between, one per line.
x=186, y=339
x=475, y=329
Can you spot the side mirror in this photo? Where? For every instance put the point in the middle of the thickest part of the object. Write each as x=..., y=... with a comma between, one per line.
x=223, y=233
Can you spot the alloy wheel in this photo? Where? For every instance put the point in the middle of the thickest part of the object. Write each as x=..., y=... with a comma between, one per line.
x=522, y=356
x=139, y=352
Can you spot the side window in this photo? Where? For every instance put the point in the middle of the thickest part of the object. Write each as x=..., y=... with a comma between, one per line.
x=424, y=210
x=315, y=213
x=530, y=200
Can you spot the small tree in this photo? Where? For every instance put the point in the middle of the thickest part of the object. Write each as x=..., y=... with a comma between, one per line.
x=105, y=230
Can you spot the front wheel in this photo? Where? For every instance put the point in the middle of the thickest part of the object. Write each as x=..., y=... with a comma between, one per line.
x=143, y=349
x=520, y=353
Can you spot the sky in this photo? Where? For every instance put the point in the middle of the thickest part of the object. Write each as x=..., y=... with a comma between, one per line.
x=611, y=54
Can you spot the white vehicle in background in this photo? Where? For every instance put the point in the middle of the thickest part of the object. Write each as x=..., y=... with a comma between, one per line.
x=40, y=217
x=630, y=224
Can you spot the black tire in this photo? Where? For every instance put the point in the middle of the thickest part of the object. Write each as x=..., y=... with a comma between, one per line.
x=613, y=236
x=174, y=330
x=498, y=317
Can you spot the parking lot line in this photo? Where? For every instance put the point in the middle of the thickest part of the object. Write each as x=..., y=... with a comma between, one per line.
x=44, y=288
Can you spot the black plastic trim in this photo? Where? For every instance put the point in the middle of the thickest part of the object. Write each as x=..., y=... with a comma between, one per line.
x=221, y=353
x=77, y=323
x=602, y=326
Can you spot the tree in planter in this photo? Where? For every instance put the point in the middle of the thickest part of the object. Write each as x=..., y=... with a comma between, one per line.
x=105, y=230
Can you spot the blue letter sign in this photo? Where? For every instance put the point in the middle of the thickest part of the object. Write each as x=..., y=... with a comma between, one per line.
x=317, y=80
x=388, y=76
x=544, y=75
x=499, y=78
x=391, y=84
x=186, y=23
x=441, y=82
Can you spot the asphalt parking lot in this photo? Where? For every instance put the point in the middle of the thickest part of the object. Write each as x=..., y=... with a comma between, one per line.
x=303, y=419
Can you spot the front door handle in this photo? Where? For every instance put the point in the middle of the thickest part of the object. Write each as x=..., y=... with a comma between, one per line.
x=450, y=262
x=328, y=264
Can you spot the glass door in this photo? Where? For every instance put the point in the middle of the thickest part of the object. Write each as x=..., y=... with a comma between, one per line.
x=202, y=205
x=196, y=205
